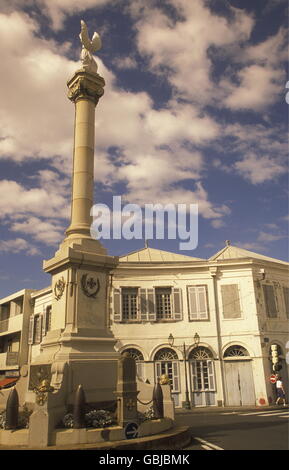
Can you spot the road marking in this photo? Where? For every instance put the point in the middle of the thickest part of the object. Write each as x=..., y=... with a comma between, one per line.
x=208, y=444
x=284, y=415
x=262, y=413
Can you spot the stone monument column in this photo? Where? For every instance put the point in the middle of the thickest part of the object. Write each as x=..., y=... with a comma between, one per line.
x=79, y=349
x=85, y=89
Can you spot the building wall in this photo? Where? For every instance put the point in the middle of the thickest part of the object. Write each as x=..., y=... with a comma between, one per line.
x=216, y=333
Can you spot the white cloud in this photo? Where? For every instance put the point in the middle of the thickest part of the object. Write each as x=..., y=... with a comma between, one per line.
x=180, y=49
x=18, y=245
x=15, y=199
x=269, y=237
x=49, y=232
x=125, y=62
x=258, y=87
x=258, y=169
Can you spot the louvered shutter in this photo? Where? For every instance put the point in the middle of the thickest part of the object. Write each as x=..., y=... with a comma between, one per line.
x=31, y=330
x=38, y=328
x=211, y=375
x=193, y=303
x=203, y=307
x=143, y=305
x=176, y=385
x=140, y=369
x=116, y=305
x=270, y=301
x=44, y=322
x=286, y=299
x=194, y=376
x=198, y=305
x=231, y=301
x=158, y=371
x=177, y=304
x=151, y=304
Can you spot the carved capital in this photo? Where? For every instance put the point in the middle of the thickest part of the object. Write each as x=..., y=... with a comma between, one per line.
x=86, y=86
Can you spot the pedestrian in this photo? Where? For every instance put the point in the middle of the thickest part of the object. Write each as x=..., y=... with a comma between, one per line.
x=280, y=390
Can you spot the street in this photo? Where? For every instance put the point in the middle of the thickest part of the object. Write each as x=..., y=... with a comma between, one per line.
x=241, y=429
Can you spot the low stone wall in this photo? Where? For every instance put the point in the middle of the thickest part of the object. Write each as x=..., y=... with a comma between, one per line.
x=66, y=437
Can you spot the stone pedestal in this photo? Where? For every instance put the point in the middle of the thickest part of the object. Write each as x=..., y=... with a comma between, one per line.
x=126, y=391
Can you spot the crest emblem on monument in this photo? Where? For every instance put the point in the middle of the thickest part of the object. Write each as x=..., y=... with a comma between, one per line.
x=90, y=285
x=59, y=288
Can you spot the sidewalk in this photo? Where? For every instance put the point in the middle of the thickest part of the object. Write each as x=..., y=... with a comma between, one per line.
x=227, y=409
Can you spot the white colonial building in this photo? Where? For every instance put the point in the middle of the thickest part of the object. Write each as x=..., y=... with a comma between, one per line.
x=208, y=324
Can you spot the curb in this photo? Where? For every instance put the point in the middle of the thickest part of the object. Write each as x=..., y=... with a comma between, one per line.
x=174, y=439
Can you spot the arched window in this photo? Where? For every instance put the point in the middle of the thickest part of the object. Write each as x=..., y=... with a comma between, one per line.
x=200, y=354
x=166, y=354
x=166, y=362
x=139, y=360
x=202, y=376
x=236, y=352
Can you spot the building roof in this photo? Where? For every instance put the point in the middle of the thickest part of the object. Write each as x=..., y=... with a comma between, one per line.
x=153, y=255
x=234, y=252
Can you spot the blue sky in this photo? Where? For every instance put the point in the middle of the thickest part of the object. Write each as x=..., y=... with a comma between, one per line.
x=194, y=111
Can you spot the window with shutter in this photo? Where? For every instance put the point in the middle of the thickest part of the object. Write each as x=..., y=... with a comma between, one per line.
x=37, y=329
x=286, y=300
x=270, y=301
x=151, y=304
x=177, y=304
x=167, y=363
x=31, y=330
x=231, y=301
x=116, y=305
x=163, y=297
x=129, y=304
x=143, y=305
x=198, y=304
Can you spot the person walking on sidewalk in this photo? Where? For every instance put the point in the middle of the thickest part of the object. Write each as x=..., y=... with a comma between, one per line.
x=280, y=390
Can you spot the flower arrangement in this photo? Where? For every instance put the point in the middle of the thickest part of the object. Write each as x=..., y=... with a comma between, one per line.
x=93, y=419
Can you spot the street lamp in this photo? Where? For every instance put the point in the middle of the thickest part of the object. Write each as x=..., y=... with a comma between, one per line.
x=184, y=351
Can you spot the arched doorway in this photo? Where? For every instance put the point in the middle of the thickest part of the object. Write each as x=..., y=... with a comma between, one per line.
x=167, y=362
x=240, y=389
x=139, y=360
x=202, y=377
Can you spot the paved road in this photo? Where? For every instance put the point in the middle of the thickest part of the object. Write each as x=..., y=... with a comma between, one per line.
x=238, y=430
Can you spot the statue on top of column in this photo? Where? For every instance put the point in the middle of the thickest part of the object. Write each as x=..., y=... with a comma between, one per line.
x=88, y=48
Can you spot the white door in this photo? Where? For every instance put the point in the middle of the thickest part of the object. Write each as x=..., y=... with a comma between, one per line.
x=240, y=390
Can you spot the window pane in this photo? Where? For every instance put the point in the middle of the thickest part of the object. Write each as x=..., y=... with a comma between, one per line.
x=129, y=304
x=163, y=303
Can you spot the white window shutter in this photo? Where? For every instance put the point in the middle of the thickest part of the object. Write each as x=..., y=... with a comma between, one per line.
x=116, y=305
x=177, y=303
x=176, y=384
x=211, y=375
x=193, y=303
x=203, y=306
x=143, y=305
x=158, y=371
x=151, y=304
x=194, y=376
x=198, y=304
x=44, y=322
x=140, y=370
x=31, y=330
